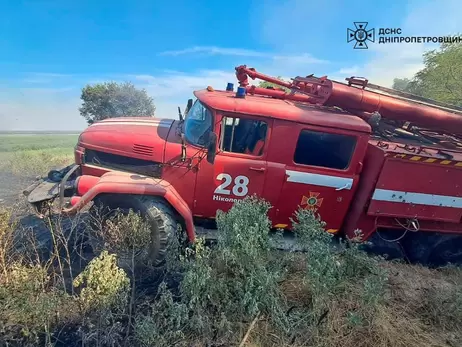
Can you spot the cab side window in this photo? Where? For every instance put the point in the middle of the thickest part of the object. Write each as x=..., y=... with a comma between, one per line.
x=317, y=148
x=241, y=135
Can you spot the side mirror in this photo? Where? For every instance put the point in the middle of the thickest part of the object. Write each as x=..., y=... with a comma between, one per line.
x=211, y=147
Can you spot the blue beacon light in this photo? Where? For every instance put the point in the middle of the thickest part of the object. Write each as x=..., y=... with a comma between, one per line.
x=230, y=87
x=240, y=92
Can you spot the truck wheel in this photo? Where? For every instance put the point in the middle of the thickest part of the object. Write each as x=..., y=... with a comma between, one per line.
x=448, y=251
x=161, y=219
x=434, y=249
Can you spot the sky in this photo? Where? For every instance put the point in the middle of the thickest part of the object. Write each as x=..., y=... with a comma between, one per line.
x=50, y=49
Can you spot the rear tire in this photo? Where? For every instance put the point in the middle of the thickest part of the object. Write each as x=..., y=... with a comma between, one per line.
x=161, y=218
x=448, y=251
x=434, y=249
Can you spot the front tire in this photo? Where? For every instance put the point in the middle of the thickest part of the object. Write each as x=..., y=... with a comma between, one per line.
x=155, y=211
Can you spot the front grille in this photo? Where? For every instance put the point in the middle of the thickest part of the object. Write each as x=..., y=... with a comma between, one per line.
x=123, y=163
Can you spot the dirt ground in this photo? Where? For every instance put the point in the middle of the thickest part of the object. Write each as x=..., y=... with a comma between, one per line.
x=11, y=187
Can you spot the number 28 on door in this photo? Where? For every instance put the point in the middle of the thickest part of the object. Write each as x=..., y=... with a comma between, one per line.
x=231, y=188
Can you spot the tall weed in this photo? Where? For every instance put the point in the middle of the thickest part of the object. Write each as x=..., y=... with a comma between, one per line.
x=226, y=287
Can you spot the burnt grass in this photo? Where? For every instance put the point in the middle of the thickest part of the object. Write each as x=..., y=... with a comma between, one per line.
x=11, y=187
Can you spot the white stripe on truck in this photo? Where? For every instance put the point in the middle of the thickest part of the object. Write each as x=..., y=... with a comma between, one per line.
x=319, y=180
x=379, y=194
x=417, y=198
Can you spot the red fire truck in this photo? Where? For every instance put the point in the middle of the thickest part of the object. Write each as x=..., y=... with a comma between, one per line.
x=375, y=163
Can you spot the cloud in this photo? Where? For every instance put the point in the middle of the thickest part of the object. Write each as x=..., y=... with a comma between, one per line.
x=349, y=71
x=44, y=77
x=56, y=108
x=404, y=60
x=304, y=58
x=36, y=80
x=381, y=63
x=173, y=89
x=175, y=85
x=211, y=50
x=298, y=59
x=389, y=63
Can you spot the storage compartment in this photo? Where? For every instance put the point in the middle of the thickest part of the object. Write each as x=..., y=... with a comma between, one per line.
x=426, y=191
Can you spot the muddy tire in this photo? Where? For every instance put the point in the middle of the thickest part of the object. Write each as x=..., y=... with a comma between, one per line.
x=156, y=212
x=447, y=251
x=433, y=249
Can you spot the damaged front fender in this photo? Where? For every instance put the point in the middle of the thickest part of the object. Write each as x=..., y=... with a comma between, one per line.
x=115, y=182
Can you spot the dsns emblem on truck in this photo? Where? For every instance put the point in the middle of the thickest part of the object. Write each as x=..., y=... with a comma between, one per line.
x=237, y=187
x=311, y=202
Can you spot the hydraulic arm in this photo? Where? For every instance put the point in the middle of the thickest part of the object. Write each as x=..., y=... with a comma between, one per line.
x=355, y=98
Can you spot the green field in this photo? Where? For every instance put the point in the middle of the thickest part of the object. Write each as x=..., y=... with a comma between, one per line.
x=35, y=154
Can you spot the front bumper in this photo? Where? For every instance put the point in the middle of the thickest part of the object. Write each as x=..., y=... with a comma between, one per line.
x=59, y=183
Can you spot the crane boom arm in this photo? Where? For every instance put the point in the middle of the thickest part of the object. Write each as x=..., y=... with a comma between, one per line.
x=355, y=98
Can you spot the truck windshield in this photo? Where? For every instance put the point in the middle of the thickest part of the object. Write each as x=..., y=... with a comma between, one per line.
x=198, y=123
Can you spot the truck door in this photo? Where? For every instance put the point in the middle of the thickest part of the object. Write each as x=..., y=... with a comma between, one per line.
x=321, y=173
x=240, y=165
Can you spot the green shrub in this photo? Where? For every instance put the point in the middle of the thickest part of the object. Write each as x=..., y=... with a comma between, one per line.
x=129, y=236
x=226, y=287
x=241, y=281
x=104, y=285
x=167, y=322
x=346, y=285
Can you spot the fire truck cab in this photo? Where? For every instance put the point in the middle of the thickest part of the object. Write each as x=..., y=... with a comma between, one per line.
x=287, y=153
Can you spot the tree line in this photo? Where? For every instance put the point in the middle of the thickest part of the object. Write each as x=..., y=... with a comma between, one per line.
x=440, y=80
x=441, y=77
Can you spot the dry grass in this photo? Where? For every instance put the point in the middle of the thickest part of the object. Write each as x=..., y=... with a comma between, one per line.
x=422, y=307
x=418, y=306
x=39, y=301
